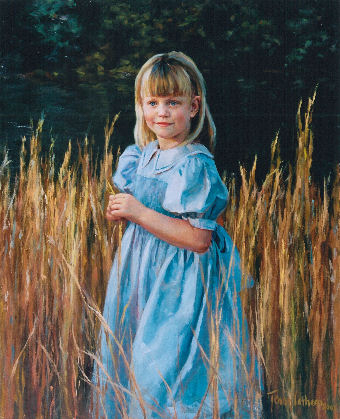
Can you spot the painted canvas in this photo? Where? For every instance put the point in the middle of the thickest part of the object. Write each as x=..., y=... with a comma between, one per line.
x=67, y=148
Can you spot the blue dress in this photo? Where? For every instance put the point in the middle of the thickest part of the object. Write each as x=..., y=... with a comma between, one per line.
x=160, y=297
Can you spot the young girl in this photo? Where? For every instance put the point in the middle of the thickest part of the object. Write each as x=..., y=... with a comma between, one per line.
x=172, y=300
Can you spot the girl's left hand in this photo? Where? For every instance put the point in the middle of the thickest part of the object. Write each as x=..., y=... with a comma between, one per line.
x=126, y=206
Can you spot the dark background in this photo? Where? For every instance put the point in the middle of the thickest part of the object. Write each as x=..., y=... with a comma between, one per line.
x=75, y=61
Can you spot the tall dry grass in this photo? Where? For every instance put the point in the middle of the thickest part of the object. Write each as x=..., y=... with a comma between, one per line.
x=287, y=231
x=56, y=251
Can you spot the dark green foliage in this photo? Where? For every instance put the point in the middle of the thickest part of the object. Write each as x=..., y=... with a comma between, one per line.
x=56, y=22
x=258, y=57
x=253, y=41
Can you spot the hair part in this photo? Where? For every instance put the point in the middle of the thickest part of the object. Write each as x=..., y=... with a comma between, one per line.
x=173, y=73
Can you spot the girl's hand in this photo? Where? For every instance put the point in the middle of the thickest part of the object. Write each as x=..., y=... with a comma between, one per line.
x=123, y=205
x=109, y=216
x=174, y=231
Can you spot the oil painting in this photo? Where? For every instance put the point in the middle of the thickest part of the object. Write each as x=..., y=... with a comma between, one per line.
x=169, y=209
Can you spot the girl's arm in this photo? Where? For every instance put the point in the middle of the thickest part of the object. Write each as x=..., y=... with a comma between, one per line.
x=174, y=231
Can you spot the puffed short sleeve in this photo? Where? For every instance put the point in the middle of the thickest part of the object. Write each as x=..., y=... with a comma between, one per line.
x=196, y=192
x=124, y=177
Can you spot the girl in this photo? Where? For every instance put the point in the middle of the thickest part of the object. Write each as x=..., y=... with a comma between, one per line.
x=172, y=301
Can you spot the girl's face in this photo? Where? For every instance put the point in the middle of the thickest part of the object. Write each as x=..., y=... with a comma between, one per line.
x=169, y=117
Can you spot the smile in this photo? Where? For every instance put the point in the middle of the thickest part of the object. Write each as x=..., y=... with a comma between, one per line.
x=163, y=124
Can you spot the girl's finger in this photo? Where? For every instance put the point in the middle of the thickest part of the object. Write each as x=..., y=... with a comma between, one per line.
x=113, y=218
x=113, y=203
x=115, y=199
x=114, y=207
x=116, y=202
x=120, y=195
x=109, y=216
x=112, y=213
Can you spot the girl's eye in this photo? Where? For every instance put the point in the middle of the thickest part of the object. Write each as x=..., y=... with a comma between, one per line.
x=173, y=102
x=152, y=103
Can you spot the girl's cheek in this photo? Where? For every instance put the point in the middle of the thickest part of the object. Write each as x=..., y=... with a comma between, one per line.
x=148, y=123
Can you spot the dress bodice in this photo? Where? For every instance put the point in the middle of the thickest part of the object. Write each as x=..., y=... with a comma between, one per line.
x=181, y=182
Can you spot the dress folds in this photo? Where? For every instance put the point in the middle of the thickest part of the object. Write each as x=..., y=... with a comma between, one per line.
x=160, y=298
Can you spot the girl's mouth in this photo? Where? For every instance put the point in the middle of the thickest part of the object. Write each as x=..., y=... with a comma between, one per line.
x=163, y=124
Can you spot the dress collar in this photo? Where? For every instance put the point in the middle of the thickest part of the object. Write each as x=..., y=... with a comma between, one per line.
x=166, y=159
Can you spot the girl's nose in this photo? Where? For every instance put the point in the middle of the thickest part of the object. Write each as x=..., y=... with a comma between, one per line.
x=163, y=109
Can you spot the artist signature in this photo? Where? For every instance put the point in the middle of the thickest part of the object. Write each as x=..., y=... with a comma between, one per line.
x=298, y=401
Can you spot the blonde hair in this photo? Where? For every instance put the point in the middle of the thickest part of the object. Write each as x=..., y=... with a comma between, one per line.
x=173, y=73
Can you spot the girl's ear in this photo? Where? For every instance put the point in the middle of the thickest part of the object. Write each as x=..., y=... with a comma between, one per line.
x=195, y=105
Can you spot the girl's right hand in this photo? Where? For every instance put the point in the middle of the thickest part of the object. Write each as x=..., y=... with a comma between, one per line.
x=109, y=216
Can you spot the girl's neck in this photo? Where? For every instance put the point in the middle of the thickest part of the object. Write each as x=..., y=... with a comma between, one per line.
x=164, y=144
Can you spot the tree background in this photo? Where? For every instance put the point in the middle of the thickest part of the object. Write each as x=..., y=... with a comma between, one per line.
x=259, y=58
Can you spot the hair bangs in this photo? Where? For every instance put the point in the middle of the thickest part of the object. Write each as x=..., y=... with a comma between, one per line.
x=164, y=79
